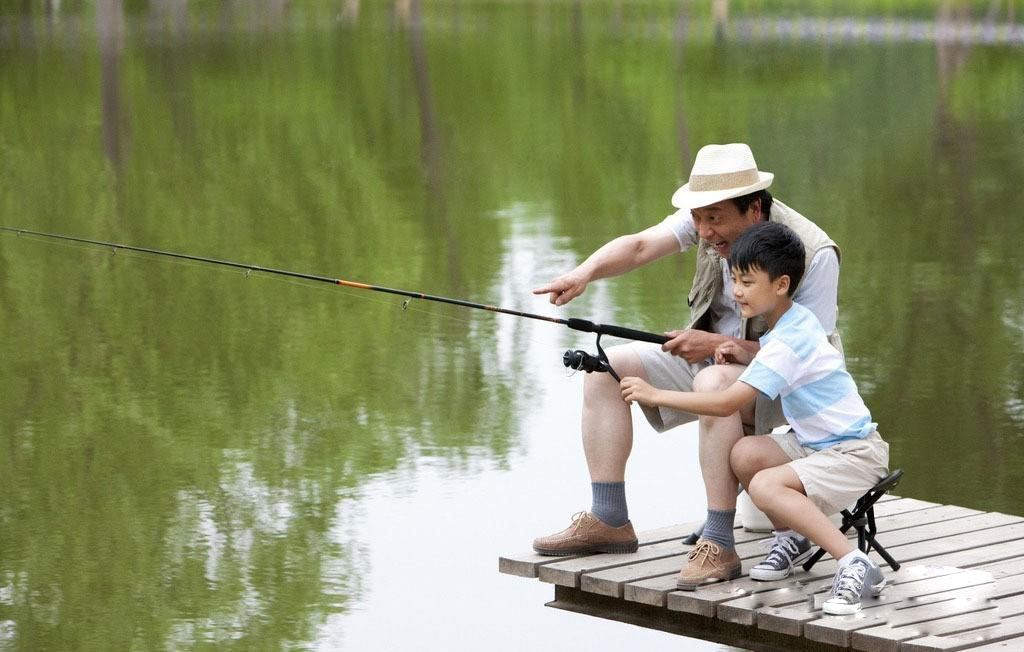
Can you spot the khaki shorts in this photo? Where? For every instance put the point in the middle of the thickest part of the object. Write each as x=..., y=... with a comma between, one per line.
x=834, y=478
x=667, y=371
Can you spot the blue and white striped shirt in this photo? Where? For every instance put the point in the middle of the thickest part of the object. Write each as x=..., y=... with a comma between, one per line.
x=819, y=398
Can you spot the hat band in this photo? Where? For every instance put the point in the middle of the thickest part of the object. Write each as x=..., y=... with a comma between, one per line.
x=725, y=181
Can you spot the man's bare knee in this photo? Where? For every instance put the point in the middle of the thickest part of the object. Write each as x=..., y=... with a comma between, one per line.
x=715, y=378
x=624, y=361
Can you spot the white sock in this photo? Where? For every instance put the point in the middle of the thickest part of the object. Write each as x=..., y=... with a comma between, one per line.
x=850, y=556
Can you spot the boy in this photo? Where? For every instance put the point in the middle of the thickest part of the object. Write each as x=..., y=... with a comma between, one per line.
x=833, y=453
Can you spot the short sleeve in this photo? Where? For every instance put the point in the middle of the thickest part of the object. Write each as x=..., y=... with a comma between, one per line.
x=681, y=225
x=772, y=370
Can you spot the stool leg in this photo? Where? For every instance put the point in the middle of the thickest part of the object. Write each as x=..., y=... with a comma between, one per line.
x=814, y=559
x=895, y=565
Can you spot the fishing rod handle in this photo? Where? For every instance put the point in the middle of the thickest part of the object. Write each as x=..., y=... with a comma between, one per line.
x=588, y=326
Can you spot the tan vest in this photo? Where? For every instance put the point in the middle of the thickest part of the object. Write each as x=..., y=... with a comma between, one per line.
x=707, y=281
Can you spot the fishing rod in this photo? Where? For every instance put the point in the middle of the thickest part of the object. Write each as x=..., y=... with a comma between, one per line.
x=576, y=359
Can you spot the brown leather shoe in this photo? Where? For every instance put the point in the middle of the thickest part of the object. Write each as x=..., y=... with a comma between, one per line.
x=708, y=562
x=587, y=534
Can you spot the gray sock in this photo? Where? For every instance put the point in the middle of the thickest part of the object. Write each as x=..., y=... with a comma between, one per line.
x=609, y=503
x=718, y=527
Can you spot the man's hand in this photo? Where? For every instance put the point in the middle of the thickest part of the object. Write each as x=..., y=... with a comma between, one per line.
x=638, y=390
x=731, y=351
x=692, y=344
x=565, y=288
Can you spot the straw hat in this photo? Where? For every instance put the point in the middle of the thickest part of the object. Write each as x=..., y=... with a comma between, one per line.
x=721, y=172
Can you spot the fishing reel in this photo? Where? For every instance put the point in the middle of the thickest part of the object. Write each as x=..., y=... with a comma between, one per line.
x=580, y=360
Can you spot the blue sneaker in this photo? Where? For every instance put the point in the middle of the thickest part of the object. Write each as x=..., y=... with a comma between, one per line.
x=859, y=579
x=786, y=552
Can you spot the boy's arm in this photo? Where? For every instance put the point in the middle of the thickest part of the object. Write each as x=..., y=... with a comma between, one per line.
x=712, y=404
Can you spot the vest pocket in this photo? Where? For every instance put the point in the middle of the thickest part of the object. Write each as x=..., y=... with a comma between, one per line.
x=692, y=297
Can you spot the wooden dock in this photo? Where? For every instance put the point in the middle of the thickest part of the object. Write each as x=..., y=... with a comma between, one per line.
x=960, y=587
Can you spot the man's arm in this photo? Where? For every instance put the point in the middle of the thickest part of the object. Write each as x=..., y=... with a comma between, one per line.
x=713, y=404
x=619, y=256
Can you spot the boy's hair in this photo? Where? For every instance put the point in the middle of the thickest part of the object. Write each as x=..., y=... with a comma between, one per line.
x=772, y=248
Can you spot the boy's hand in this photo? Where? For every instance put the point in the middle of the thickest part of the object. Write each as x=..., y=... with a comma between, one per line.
x=727, y=352
x=636, y=389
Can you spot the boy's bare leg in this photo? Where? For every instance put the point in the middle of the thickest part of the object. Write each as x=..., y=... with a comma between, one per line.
x=607, y=424
x=778, y=492
x=753, y=454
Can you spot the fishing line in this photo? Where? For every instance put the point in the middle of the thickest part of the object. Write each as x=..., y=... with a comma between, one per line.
x=348, y=292
x=577, y=359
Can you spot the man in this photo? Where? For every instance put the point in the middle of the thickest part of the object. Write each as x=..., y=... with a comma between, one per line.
x=725, y=195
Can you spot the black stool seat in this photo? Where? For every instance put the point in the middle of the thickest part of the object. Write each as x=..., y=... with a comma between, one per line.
x=863, y=520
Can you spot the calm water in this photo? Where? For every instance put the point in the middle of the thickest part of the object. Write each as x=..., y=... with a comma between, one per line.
x=195, y=459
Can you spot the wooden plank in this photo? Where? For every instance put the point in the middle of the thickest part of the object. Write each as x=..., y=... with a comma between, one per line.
x=1005, y=568
x=909, y=583
x=951, y=536
x=985, y=555
x=612, y=581
x=705, y=600
x=745, y=610
x=901, y=505
x=791, y=619
x=901, y=520
x=567, y=573
x=654, y=590
x=888, y=638
x=527, y=564
x=1009, y=629
x=922, y=585
x=952, y=603
x=709, y=629
x=837, y=630
x=1015, y=644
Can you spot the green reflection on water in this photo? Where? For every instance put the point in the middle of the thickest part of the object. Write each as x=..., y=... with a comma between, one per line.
x=179, y=440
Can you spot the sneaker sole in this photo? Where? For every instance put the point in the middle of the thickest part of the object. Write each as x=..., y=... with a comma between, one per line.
x=613, y=548
x=840, y=609
x=847, y=609
x=776, y=575
x=692, y=586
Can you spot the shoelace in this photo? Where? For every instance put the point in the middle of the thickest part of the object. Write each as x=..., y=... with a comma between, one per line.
x=850, y=582
x=578, y=520
x=709, y=551
x=780, y=545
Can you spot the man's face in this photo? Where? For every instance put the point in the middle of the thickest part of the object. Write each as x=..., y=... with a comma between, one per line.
x=720, y=224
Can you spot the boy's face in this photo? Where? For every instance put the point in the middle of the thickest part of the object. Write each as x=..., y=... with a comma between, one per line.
x=720, y=224
x=755, y=293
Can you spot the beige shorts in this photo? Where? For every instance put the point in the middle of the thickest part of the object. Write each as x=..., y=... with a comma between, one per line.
x=834, y=478
x=667, y=371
